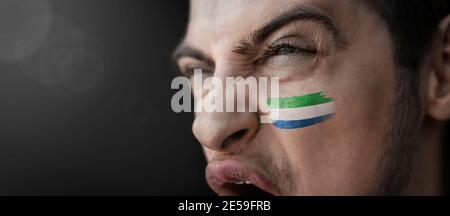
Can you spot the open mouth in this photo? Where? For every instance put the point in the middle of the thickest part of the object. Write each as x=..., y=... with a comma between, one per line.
x=232, y=178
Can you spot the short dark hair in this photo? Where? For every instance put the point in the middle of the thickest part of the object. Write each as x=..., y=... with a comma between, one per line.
x=412, y=24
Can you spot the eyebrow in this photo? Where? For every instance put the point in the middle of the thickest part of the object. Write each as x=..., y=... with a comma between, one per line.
x=256, y=38
x=301, y=12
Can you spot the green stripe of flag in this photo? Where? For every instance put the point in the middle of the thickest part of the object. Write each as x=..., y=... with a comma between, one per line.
x=298, y=101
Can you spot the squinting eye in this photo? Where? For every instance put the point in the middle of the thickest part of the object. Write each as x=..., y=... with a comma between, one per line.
x=286, y=50
x=190, y=71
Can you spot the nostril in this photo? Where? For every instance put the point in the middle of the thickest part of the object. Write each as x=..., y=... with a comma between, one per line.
x=238, y=135
x=233, y=138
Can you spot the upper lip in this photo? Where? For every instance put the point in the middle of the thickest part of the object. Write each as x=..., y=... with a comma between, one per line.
x=222, y=177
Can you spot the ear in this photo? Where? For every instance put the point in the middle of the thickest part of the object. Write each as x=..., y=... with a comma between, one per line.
x=439, y=83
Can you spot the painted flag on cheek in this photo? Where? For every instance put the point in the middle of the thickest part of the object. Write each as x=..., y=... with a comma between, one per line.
x=300, y=111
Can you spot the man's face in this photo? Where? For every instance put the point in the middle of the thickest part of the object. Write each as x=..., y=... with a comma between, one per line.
x=341, y=48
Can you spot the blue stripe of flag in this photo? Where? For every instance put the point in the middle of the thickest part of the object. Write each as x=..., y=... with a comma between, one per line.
x=301, y=123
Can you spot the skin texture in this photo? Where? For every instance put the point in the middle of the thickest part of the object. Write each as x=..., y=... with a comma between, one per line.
x=350, y=154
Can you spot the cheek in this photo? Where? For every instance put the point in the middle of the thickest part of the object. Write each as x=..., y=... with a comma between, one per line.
x=342, y=155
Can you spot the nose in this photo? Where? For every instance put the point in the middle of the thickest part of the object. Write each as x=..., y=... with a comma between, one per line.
x=228, y=132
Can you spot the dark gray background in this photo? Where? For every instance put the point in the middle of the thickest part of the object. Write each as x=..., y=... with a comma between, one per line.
x=89, y=113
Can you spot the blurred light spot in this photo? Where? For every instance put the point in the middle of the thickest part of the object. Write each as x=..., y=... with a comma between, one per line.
x=70, y=63
x=71, y=70
x=24, y=25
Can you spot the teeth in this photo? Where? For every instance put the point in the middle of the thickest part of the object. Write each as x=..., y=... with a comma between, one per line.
x=243, y=182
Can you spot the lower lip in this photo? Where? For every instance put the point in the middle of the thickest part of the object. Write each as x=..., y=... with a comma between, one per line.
x=221, y=172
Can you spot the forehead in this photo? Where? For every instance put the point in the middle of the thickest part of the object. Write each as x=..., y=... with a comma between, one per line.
x=220, y=11
x=225, y=21
x=216, y=10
